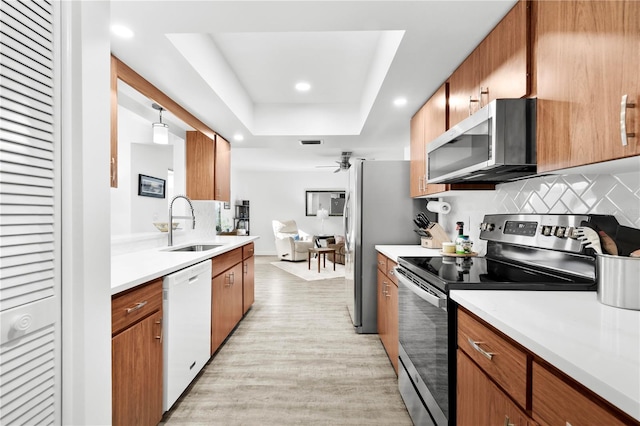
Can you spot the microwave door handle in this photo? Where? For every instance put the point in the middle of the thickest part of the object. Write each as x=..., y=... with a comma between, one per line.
x=427, y=297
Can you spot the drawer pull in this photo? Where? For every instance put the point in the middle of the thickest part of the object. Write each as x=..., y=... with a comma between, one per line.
x=475, y=346
x=507, y=422
x=624, y=104
x=136, y=307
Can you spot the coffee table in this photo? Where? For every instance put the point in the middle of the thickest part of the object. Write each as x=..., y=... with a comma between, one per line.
x=322, y=253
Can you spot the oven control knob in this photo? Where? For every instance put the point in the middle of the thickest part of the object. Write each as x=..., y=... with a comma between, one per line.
x=490, y=226
x=571, y=233
x=546, y=230
x=560, y=231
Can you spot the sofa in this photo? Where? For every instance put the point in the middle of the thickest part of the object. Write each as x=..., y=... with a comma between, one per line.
x=336, y=243
x=292, y=244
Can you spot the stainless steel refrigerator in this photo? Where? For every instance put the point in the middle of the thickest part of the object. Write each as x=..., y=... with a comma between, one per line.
x=378, y=210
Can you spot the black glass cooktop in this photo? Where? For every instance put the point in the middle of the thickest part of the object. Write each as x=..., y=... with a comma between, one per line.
x=448, y=273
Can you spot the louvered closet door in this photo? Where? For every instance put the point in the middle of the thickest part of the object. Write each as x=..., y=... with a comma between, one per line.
x=30, y=304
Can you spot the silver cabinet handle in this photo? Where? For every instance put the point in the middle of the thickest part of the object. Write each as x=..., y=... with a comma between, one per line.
x=475, y=345
x=159, y=336
x=473, y=102
x=507, y=422
x=624, y=104
x=113, y=171
x=136, y=307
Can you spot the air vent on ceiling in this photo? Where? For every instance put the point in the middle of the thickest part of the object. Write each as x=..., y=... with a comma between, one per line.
x=311, y=142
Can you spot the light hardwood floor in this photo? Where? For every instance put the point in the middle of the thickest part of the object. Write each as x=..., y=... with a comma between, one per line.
x=294, y=359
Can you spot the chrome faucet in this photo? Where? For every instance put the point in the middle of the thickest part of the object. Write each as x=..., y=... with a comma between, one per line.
x=193, y=216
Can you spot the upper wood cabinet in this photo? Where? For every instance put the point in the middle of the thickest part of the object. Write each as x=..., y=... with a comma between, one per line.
x=208, y=167
x=417, y=163
x=498, y=68
x=222, y=170
x=587, y=57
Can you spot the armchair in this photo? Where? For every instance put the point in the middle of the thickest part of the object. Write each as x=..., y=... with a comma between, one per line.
x=336, y=243
x=291, y=244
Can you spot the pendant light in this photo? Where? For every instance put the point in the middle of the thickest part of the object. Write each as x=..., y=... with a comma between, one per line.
x=160, y=130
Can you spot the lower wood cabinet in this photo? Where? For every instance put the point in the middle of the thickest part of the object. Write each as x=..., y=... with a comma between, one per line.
x=499, y=382
x=226, y=296
x=388, y=308
x=248, y=277
x=136, y=354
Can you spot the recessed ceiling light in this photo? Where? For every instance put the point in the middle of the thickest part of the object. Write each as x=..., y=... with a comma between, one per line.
x=400, y=102
x=238, y=137
x=303, y=86
x=121, y=31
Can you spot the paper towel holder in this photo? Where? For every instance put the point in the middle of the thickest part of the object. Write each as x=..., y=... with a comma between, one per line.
x=440, y=207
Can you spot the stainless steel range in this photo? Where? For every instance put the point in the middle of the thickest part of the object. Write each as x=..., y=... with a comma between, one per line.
x=524, y=252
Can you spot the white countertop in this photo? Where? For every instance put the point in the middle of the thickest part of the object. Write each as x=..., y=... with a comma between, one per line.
x=132, y=269
x=393, y=252
x=595, y=344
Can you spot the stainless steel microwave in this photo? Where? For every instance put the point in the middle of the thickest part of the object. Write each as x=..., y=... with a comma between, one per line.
x=496, y=144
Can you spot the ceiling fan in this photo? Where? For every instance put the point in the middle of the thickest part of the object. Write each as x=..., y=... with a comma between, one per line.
x=343, y=164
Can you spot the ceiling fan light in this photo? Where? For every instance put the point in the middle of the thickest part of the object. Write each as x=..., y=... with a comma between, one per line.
x=160, y=133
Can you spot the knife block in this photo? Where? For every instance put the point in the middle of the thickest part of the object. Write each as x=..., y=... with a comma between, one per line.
x=437, y=236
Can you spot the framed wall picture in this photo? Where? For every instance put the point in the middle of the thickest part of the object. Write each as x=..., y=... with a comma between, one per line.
x=149, y=186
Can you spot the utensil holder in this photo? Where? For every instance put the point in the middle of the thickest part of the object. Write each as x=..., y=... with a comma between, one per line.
x=437, y=236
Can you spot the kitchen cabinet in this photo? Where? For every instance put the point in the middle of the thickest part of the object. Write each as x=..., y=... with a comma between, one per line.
x=417, y=161
x=587, y=58
x=480, y=401
x=136, y=351
x=222, y=170
x=200, y=159
x=388, y=308
x=248, y=277
x=498, y=68
x=498, y=379
x=226, y=295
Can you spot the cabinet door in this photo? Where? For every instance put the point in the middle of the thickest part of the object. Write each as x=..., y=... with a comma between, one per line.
x=480, y=401
x=222, y=170
x=497, y=68
x=137, y=373
x=436, y=117
x=248, y=281
x=587, y=57
x=392, y=325
x=382, y=314
x=417, y=170
x=226, y=304
x=200, y=159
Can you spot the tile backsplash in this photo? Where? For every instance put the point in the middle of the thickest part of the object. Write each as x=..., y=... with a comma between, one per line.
x=614, y=194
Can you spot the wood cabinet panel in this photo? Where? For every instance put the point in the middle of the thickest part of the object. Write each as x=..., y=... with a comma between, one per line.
x=225, y=261
x=480, y=401
x=417, y=171
x=247, y=250
x=226, y=304
x=387, y=298
x=137, y=381
x=200, y=159
x=497, y=68
x=390, y=272
x=507, y=365
x=554, y=402
x=587, y=57
x=129, y=307
x=392, y=325
x=248, y=283
x=222, y=170
x=382, y=262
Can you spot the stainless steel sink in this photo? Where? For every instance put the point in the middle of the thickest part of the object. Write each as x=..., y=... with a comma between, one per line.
x=197, y=247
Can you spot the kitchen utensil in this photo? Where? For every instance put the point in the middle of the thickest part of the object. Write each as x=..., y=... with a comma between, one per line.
x=424, y=219
x=608, y=244
x=617, y=278
x=589, y=238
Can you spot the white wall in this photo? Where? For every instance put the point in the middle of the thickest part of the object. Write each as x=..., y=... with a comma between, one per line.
x=281, y=195
x=86, y=286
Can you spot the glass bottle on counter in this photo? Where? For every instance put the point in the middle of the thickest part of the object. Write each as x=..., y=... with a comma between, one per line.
x=461, y=238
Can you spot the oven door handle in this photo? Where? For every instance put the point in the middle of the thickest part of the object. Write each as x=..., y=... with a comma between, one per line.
x=438, y=302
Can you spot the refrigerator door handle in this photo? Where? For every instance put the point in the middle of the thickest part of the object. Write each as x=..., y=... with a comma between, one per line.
x=345, y=222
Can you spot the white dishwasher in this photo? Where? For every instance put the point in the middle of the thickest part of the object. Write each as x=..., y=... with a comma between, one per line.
x=186, y=303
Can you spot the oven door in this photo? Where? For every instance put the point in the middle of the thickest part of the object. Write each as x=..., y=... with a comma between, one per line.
x=423, y=375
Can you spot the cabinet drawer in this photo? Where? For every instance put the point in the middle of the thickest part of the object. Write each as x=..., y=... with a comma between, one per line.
x=554, y=402
x=391, y=274
x=130, y=307
x=247, y=251
x=500, y=359
x=225, y=261
x=382, y=262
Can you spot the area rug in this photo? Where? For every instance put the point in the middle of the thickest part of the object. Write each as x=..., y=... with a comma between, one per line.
x=301, y=270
